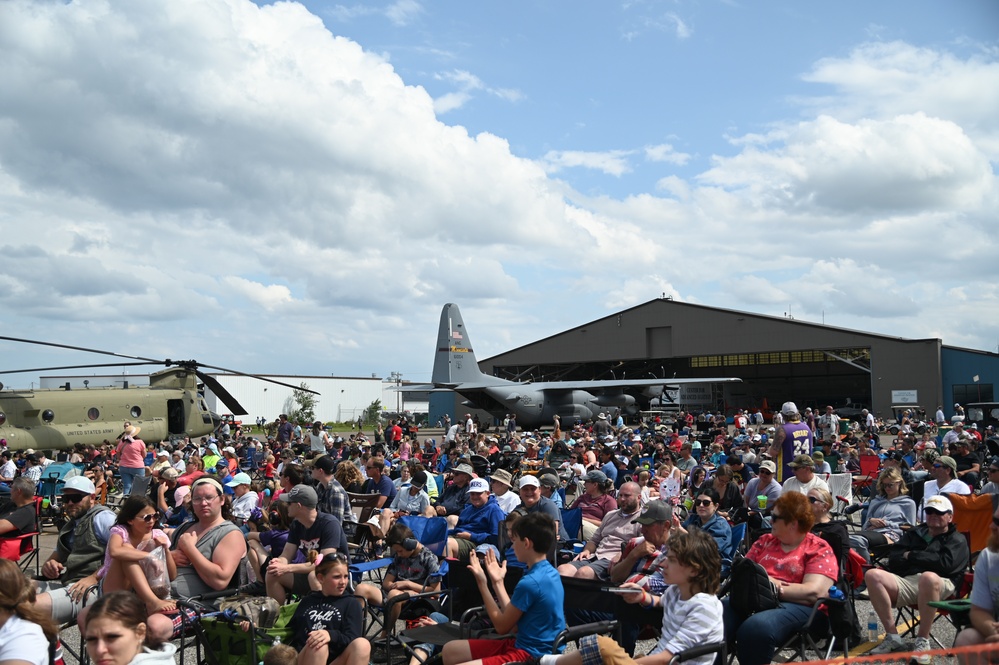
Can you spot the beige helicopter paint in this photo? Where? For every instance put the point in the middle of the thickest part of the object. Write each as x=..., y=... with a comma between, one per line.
x=55, y=419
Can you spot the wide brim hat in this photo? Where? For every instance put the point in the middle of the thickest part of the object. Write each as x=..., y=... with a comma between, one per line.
x=502, y=476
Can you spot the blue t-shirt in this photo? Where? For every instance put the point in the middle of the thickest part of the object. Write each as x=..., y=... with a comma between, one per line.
x=540, y=596
x=385, y=487
x=610, y=470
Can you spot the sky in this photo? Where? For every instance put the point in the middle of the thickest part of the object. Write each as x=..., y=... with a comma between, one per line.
x=290, y=188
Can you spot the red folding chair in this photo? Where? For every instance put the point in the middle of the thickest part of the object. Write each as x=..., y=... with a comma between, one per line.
x=870, y=467
x=24, y=549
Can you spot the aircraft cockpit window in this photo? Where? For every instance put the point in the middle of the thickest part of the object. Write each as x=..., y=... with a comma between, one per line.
x=136, y=411
x=48, y=415
x=3, y=417
x=93, y=413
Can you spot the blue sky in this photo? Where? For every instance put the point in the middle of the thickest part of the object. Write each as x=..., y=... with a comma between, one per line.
x=288, y=188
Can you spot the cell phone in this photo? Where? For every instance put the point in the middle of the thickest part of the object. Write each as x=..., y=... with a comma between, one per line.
x=620, y=590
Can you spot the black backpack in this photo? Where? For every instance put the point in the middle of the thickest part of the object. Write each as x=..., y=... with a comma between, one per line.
x=751, y=590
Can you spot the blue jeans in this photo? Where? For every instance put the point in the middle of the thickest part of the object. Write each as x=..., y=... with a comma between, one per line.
x=758, y=637
x=128, y=474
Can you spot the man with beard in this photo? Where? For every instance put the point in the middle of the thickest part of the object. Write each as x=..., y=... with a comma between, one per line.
x=73, y=565
x=604, y=548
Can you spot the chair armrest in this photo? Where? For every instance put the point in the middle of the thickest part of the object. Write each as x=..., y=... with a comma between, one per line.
x=575, y=632
x=703, y=650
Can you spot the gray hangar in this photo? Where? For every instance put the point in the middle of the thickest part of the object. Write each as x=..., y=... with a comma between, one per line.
x=779, y=359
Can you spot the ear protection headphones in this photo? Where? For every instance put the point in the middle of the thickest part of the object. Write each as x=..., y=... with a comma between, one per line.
x=409, y=544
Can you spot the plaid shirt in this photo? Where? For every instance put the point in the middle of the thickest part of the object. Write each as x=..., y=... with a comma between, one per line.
x=333, y=499
x=646, y=572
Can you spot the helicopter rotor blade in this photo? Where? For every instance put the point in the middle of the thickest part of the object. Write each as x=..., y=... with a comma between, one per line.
x=212, y=383
x=53, y=369
x=260, y=378
x=80, y=348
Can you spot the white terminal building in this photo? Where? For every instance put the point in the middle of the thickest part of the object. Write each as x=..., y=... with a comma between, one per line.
x=340, y=398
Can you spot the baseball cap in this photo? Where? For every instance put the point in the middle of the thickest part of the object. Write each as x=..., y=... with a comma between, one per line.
x=80, y=484
x=239, y=479
x=419, y=479
x=939, y=502
x=789, y=408
x=478, y=485
x=654, y=511
x=595, y=476
x=163, y=453
x=529, y=480
x=802, y=461
x=324, y=463
x=301, y=494
x=465, y=469
x=769, y=466
x=948, y=461
x=178, y=496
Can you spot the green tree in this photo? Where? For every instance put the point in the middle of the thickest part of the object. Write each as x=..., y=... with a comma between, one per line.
x=372, y=412
x=304, y=410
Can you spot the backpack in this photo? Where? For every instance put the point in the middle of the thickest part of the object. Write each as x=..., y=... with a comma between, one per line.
x=262, y=611
x=751, y=590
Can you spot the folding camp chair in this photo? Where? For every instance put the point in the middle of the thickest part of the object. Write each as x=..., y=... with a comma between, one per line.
x=864, y=482
x=431, y=532
x=23, y=549
x=362, y=507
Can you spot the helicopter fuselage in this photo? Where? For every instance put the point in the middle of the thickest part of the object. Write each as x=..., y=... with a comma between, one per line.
x=170, y=406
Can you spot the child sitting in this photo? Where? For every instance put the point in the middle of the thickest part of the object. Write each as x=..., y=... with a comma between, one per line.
x=411, y=568
x=328, y=622
x=535, y=609
x=692, y=613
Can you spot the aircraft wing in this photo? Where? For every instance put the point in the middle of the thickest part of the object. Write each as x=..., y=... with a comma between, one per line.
x=611, y=384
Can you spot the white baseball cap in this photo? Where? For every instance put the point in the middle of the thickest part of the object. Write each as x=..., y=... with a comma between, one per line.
x=80, y=484
x=478, y=485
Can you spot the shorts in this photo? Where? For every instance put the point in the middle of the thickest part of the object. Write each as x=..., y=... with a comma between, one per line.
x=908, y=590
x=602, y=650
x=64, y=608
x=181, y=618
x=300, y=584
x=465, y=548
x=498, y=652
x=601, y=567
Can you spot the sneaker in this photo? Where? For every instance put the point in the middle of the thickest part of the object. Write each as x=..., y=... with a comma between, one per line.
x=891, y=644
x=919, y=651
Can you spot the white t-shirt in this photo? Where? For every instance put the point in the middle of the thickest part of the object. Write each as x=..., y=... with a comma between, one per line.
x=244, y=505
x=23, y=640
x=792, y=484
x=690, y=623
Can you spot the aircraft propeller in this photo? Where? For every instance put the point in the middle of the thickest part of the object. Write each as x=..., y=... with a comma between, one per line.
x=213, y=384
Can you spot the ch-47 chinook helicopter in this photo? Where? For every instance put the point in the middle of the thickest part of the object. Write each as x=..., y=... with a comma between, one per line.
x=172, y=405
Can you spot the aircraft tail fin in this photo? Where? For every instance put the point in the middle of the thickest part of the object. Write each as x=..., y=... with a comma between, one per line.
x=454, y=361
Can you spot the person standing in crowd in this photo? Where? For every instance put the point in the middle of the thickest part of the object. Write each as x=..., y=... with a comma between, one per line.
x=792, y=439
x=131, y=453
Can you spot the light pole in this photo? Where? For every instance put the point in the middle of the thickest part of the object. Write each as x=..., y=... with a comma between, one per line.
x=397, y=377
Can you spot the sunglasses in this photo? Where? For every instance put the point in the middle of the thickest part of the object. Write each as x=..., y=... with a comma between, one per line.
x=934, y=511
x=995, y=520
x=815, y=499
x=151, y=517
x=774, y=517
x=73, y=498
x=703, y=502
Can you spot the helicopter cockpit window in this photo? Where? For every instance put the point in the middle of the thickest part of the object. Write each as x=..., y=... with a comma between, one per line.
x=93, y=413
x=48, y=415
x=136, y=411
x=3, y=418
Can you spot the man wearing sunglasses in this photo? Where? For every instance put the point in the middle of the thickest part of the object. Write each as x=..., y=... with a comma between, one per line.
x=72, y=567
x=944, y=481
x=925, y=565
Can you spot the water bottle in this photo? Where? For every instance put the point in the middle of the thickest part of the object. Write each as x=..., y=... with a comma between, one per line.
x=835, y=594
x=872, y=627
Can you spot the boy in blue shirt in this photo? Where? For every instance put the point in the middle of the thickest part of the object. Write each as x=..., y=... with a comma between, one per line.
x=535, y=608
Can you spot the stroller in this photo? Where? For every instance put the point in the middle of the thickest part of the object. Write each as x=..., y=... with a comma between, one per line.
x=54, y=477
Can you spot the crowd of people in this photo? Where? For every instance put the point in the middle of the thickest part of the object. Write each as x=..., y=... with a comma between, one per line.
x=658, y=501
